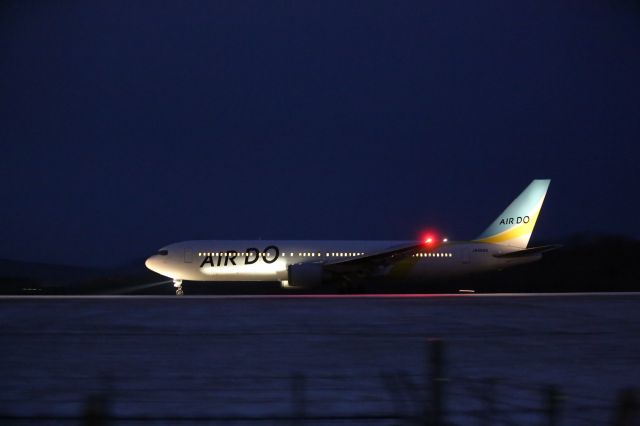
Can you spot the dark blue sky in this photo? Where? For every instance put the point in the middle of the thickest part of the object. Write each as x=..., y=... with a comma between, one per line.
x=128, y=125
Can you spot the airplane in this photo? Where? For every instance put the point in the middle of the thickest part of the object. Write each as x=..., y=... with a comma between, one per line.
x=311, y=263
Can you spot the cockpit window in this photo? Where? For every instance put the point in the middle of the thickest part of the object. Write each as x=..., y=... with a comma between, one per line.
x=163, y=252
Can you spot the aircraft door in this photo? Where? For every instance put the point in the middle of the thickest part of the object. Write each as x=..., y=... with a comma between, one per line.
x=188, y=255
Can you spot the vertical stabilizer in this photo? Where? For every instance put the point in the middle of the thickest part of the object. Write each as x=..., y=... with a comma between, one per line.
x=514, y=226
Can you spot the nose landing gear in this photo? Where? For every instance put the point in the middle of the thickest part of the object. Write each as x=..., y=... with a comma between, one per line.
x=178, y=285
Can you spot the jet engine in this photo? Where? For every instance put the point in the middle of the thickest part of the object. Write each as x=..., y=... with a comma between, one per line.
x=305, y=275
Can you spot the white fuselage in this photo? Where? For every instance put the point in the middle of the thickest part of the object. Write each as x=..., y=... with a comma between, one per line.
x=311, y=263
x=220, y=260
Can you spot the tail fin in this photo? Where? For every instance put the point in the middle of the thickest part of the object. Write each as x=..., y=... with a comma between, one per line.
x=515, y=225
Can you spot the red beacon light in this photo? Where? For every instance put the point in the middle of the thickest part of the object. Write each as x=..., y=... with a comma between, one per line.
x=432, y=238
x=429, y=239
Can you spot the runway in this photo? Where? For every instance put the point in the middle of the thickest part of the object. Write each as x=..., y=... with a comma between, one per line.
x=331, y=296
x=247, y=357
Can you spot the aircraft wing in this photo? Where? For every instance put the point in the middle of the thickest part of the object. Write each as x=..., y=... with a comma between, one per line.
x=377, y=259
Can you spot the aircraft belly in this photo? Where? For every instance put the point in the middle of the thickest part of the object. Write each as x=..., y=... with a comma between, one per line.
x=412, y=269
x=205, y=275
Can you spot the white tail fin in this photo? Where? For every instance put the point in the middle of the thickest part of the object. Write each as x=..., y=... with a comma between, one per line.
x=515, y=225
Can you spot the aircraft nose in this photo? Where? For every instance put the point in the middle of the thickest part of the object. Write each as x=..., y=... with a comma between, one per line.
x=152, y=263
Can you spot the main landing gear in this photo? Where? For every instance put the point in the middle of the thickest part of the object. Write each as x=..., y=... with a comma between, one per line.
x=178, y=285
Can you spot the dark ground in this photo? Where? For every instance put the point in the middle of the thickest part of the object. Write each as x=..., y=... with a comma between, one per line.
x=317, y=359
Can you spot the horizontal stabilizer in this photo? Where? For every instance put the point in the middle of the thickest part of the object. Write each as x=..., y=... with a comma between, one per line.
x=527, y=252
